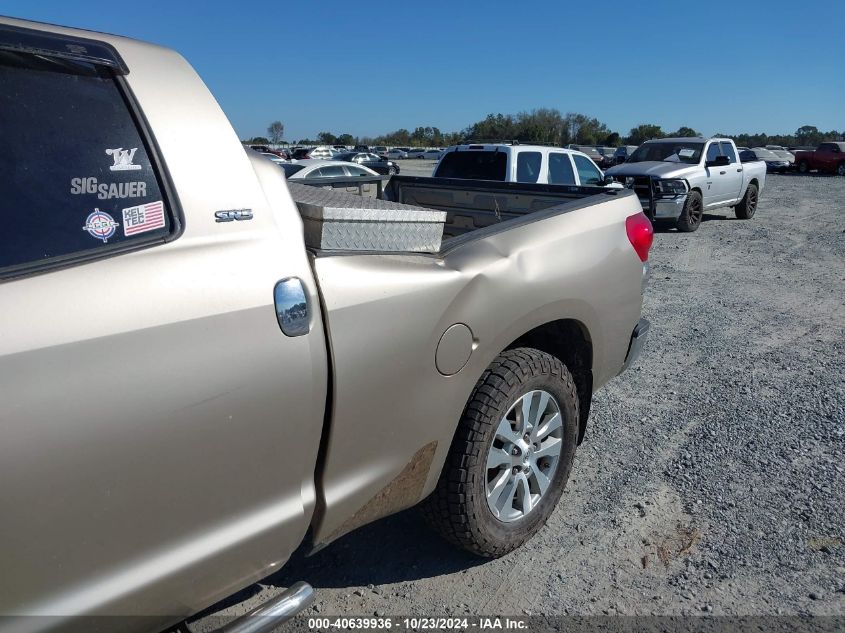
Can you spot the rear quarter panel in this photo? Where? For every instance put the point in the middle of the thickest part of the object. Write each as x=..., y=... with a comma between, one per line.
x=393, y=414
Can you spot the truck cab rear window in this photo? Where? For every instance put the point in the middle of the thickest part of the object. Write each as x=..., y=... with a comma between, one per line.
x=75, y=175
x=473, y=165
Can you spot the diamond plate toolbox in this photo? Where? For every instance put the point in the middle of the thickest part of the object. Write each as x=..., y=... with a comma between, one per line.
x=336, y=220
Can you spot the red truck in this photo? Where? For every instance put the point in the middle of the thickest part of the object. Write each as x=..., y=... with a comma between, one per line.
x=829, y=157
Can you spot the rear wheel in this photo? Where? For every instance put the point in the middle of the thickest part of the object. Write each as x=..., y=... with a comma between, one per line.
x=841, y=169
x=511, y=455
x=803, y=167
x=691, y=214
x=391, y=170
x=748, y=205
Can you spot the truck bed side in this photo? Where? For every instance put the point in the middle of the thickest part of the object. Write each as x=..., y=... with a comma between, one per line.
x=412, y=320
x=474, y=204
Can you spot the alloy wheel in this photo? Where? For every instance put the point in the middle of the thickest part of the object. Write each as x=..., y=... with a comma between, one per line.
x=524, y=455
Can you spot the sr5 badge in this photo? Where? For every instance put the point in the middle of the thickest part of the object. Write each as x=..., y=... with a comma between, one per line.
x=233, y=214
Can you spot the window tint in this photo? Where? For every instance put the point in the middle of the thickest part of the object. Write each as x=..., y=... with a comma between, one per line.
x=588, y=173
x=713, y=151
x=728, y=150
x=560, y=169
x=75, y=176
x=472, y=164
x=528, y=166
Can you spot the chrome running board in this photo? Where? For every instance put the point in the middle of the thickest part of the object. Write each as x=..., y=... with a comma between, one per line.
x=279, y=609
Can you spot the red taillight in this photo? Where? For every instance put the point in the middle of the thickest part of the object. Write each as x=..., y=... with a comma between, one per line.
x=640, y=233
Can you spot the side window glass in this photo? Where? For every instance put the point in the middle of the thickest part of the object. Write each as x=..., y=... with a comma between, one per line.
x=75, y=175
x=332, y=170
x=560, y=169
x=588, y=173
x=728, y=150
x=713, y=151
x=528, y=166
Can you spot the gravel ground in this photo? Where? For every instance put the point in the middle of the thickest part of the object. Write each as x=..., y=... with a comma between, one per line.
x=712, y=479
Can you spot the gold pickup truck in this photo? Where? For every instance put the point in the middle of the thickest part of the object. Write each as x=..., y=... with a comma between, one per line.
x=189, y=392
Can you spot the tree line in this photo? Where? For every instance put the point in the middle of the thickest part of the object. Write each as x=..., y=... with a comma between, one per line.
x=545, y=126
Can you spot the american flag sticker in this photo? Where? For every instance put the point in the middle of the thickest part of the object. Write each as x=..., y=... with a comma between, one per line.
x=143, y=218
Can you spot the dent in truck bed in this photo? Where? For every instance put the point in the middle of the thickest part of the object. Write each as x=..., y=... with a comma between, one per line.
x=388, y=312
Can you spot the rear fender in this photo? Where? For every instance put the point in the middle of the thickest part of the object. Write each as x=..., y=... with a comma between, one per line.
x=393, y=412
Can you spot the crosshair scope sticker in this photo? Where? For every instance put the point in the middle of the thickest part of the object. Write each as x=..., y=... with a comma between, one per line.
x=100, y=224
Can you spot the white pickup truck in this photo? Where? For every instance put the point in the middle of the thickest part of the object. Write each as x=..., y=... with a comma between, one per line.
x=678, y=179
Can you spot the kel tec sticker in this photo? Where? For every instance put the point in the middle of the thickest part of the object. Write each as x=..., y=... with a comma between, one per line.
x=107, y=191
x=100, y=224
x=143, y=218
x=122, y=159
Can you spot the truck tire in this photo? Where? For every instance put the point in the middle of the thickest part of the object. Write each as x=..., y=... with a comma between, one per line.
x=840, y=169
x=803, y=166
x=748, y=205
x=693, y=211
x=494, y=492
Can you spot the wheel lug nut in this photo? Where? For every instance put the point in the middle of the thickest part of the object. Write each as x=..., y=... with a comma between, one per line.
x=515, y=451
x=515, y=470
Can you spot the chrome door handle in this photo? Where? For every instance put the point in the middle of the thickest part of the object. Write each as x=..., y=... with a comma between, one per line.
x=292, y=310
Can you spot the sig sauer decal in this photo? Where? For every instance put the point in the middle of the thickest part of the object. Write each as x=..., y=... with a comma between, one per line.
x=107, y=191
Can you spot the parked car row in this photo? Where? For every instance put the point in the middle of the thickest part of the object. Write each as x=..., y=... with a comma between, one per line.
x=332, y=152
x=828, y=157
x=372, y=161
x=397, y=153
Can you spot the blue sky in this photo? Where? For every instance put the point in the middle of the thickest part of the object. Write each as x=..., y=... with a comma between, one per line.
x=372, y=67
